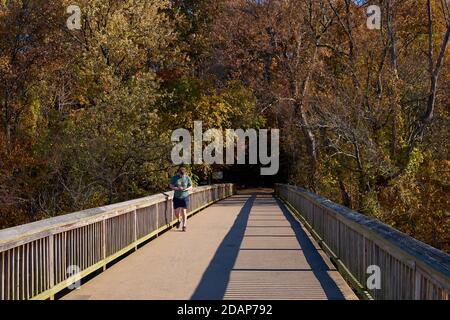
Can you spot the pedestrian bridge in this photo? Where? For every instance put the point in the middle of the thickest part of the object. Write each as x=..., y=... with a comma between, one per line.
x=258, y=244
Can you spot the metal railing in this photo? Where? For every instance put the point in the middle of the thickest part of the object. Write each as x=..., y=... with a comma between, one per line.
x=409, y=269
x=40, y=259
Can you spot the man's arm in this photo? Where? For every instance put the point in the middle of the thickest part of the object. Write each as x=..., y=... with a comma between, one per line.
x=189, y=185
x=172, y=186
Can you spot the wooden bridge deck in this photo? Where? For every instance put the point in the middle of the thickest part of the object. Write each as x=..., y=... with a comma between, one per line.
x=245, y=247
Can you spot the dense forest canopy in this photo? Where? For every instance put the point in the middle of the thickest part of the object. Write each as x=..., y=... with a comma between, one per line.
x=87, y=113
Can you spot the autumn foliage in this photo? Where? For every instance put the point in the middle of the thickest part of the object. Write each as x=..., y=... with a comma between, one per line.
x=86, y=115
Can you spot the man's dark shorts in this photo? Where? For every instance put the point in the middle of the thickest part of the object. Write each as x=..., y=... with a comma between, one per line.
x=181, y=203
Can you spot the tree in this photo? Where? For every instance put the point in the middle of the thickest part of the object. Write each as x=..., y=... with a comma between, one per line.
x=359, y=103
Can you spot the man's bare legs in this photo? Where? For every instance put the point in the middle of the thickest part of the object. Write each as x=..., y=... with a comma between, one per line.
x=177, y=215
x=181, y=215
x=184, y=213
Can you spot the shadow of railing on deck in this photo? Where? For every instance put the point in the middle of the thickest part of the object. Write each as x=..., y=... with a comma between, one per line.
x=318, y=266
x=216, y=278
x=214, y=282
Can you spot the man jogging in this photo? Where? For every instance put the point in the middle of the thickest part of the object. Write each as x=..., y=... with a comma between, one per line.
x=181, y=184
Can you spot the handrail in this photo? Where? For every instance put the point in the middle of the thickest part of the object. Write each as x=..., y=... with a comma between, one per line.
x=40, y=259
x=409, y=269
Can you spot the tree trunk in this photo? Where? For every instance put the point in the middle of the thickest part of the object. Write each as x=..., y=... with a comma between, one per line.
x=346, y=199
x=311, y=143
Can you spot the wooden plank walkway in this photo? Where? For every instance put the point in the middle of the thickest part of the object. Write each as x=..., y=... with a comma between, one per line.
x=245, y=247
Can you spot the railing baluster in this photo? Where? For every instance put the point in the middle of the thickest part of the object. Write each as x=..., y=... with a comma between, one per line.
x=22, y=275
x=51, y=263
x=104, y=242
x=2, y=275
x=135, y=227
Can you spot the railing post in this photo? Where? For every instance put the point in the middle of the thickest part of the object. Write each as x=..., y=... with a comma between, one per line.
x=3, y=267
x=157, y=219
x=417, y=283
x=364, y=257
x=171, y=209
x=51, y=265
x=104, y=243
x=135, y=229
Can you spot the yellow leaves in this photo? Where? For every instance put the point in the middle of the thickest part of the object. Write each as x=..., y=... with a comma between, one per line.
x=212, y=110
x=416, y=160
x=31, y=118
x=127, y=34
